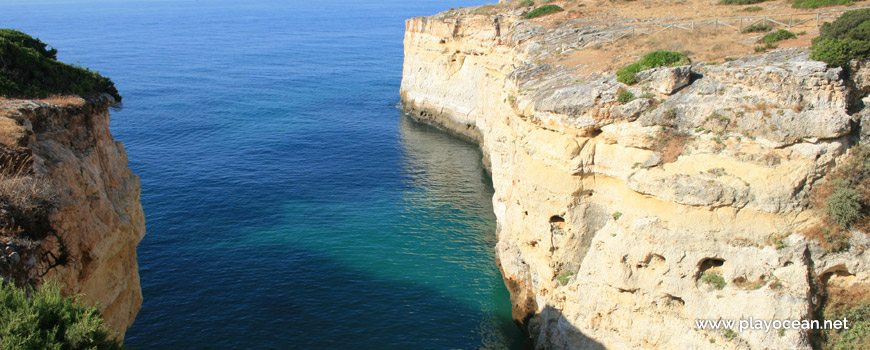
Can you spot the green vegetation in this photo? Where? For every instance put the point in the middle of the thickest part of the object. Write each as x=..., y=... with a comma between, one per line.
x=543, y=10
x=714, y=279
x=858, y=334
x=812, y=4
x=28, y=69
x=46, y=320
x=628, y=74
x=564, y=276
x=729, y=333
x=757, y=28
x=625, y=96
x=844, y=203
x=617, y=215
x=525, y=3
x=765, y=47
x=843, y=40
x=740, y=2
x=778, y=35
x=752, y=9
x=778, y=240
x=848, y=189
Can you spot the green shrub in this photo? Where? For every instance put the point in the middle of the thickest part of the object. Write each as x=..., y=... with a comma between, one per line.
x=836, y=240
x=525, y=3
x=625, y=96
x=844, y=204
x=812, y=4
x=757, y=28
x=628, y=74
x=846, y=39
x=838, y=53
x=858, y=334
x=564, y=276
x=714, y=279
x=617, y=215
x=778, y=35
x=29, y=70
x=752, y=9
x=543, y=10
x=46, y=320
x=765, y=47
x=740, y=2
x=848, y=25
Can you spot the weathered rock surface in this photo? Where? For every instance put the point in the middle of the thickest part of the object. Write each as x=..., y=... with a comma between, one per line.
x=631, y=203
x=98, y=221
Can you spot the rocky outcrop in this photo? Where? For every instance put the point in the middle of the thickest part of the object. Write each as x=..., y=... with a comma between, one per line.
x=95, y=220
x=610, y=214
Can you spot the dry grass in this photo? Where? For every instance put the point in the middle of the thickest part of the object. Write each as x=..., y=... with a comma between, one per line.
x=851, y=302
x=21, y=189
x=62, y=100
x=702, y=45
x=670, y=144
x=10, y=132
x=831, y=237
x=851, y=177
x=743, y=283
x=666, y=9
x=25, y=191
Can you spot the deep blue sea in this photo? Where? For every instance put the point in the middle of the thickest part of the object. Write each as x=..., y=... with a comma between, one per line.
x=289, y=203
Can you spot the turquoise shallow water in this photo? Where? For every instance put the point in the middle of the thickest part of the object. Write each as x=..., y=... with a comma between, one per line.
x=288, y=202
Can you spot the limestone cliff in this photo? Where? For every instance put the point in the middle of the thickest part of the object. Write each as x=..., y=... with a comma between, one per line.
x=610, y=213
x=87, y=238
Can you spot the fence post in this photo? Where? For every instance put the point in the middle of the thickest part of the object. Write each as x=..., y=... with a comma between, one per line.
x=741, y=24
x=791, y=21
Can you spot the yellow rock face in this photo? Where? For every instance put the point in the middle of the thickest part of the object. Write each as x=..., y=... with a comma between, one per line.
x=99, y=219
x=606, y=225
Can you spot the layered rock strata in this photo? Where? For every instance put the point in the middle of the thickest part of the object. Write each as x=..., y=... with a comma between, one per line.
x=610, y=214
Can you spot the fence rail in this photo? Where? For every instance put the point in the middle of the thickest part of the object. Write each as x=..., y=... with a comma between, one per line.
x=737, y=23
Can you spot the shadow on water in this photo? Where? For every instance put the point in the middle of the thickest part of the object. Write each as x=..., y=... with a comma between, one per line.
x=410, y=266
x=303, y=299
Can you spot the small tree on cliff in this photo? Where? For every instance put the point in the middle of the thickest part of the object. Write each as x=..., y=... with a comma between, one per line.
x=47, y=320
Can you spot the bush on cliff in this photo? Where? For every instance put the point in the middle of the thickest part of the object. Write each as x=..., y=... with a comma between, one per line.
x=543, y=10
x=812, y=4
x=778, y=35
x=843, y=199
x=47, y=320
x=846, y=39
x=853, y=304
x=739, y=2
x=628, y=74
x=28, y=69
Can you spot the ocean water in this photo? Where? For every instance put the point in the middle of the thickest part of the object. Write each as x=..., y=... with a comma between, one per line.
x=289, y=204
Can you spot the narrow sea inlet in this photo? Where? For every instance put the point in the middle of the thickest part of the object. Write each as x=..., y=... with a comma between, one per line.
x=289, y=204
